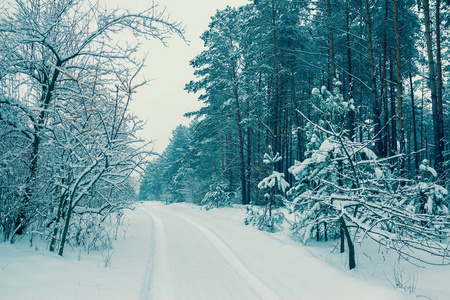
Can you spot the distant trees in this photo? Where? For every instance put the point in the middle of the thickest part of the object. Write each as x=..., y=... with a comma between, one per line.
x=170, y=176
x=66, y=131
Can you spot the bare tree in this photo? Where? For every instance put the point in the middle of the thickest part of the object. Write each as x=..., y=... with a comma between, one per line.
x=69, y=78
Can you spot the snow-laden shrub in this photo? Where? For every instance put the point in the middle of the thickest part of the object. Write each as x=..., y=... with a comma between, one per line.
x=334, y=169
x=436, y=195
x=427, y=173
x=218, y=196
x=89, y=232
x=343, y=182
x=260, y=218
x=431, y=198
x=337, y=165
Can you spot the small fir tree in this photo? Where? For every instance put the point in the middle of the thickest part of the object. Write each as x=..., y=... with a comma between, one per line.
x=274, y=188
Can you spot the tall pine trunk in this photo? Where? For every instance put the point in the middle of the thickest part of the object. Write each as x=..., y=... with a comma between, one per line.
x=276, y=93
x=351, y=113
x=440, y=108
x=401, y=129
x=332, y=63
x=393, y=106
x=373, y=81
x=384, y=88
x=241, y=148
x=437, y=127
x=413, y=108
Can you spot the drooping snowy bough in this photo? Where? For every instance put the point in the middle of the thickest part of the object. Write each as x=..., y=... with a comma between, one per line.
x=342, y=187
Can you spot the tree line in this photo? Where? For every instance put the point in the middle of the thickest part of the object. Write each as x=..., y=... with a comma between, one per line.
x=350, y=94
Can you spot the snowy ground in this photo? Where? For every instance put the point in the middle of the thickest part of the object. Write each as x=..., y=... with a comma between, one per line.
x=181, y=252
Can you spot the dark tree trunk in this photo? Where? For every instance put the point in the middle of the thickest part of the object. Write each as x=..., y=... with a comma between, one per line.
x=413, y=108
x=241, y=150
x=437, y=127
x=351, y=248
x=249, y=160
x=401, y=129
x=373, y=81
x=393, y=107
x=48, y=86
x=440, y=110
x=351, y=113
x=386, y=132
x=276, y=94
x=65, y=229
x=332, y=63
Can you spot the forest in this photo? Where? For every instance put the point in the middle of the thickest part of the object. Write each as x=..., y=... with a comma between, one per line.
x=326, y=116
x=334, y=110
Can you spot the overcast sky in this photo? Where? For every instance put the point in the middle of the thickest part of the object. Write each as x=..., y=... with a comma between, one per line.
x=164, y=102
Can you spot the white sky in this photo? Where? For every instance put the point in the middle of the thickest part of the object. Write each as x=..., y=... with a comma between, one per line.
x=163, y=102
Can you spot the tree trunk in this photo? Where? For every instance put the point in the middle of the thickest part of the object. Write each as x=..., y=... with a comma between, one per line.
x=241, y=149
x=351, y=112
x=437, y=128
x=393, y=108
x=422, y=129
x=413, y=108
x=351, y=248
x=440, y=108
x=62, y=200
x=47, y=90
x=401, y=129
x=332, y=62
x=373, y=80
x=66, y=228
x=249, y=159
x=276, y=96
x=384, y=88
x=298, y=121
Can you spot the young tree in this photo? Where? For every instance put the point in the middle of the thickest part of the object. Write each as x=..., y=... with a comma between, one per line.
x=274, y=188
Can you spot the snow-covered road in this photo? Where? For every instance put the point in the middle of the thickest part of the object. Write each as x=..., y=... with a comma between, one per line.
x=198, y=255
x=192, y=262
x=178, y=251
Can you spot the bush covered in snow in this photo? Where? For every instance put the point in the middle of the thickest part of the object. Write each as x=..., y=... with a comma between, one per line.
x=343, y=187
x=218, y=196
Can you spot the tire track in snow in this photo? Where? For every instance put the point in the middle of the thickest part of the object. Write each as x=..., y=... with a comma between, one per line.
x=258, y=286
x=145, y=288
x=159, y=250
